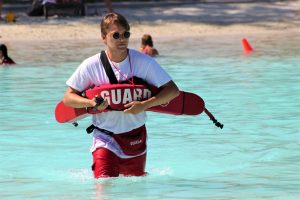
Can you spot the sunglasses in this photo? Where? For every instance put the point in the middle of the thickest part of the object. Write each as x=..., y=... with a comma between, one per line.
x=117, y=35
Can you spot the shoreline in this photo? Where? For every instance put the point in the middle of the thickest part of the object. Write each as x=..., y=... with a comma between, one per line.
x=81, y=31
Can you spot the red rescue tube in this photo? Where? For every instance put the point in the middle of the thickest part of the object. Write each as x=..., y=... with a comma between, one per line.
x=118, y=95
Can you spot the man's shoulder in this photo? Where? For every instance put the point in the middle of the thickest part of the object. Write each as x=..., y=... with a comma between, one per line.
x=92, y=59
x=135, y=52
x=139, y=56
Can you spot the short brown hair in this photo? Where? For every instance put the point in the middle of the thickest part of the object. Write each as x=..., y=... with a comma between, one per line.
x=113, y=18
x=147, y=40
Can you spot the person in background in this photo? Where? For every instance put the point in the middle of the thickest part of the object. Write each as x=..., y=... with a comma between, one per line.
x=4, y=59
x=109, y=5
x=119, y=137
x=37, y=8
x=147, y=46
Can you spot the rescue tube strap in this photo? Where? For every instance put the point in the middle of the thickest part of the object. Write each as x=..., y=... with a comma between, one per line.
x=108, y=69
x=92, y=127
x=212, y=118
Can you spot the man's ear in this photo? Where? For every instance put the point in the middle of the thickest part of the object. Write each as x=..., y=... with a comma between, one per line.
x=103, y=37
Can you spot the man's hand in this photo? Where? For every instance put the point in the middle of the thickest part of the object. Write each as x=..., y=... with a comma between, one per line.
x=135, y=107
x=102, y=106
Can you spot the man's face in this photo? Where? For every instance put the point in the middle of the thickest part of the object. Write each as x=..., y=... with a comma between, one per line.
x=117, y=38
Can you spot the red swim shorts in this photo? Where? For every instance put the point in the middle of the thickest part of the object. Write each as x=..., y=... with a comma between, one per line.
x=107, y=164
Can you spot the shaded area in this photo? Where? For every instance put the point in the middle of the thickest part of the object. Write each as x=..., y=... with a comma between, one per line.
x=216, y=13
x=211, y=12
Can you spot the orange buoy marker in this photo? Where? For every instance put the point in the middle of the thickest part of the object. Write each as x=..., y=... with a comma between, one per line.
x=247, y=47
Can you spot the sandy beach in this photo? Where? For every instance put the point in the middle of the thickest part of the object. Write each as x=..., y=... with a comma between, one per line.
x=163, y=20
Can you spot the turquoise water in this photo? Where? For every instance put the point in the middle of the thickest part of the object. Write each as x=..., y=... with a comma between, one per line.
x=255, y=156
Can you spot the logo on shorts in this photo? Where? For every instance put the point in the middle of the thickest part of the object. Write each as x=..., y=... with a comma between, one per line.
x=136, y=142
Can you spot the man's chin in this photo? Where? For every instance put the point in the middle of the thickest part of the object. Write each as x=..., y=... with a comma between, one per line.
x=122, y=48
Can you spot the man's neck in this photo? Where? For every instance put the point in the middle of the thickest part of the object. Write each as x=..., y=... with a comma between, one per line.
x=117, y=57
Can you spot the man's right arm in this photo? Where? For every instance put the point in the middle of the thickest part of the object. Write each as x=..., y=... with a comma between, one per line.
x=74, y=99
